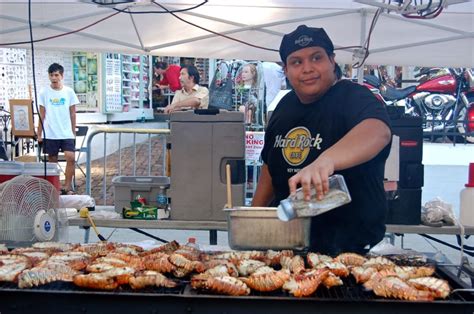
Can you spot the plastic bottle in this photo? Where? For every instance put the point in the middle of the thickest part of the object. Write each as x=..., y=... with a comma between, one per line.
x=142, y=117
x=190, y=250
x=192, y=243
x=141, y=199
x=296, y=206
x=467, y=200
x=162, y=199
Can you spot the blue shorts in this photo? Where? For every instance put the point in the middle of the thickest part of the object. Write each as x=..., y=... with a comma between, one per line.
x=52, y=147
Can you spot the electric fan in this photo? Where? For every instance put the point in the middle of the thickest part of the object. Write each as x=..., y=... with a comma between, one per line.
x=28, y=210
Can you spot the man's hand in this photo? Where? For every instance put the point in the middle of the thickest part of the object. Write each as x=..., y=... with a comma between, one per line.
x=315, y=174
x=169, y=109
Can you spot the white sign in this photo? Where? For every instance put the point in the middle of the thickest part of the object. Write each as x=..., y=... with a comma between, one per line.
x=392, y=164
x=253, y=145
x=113, y=83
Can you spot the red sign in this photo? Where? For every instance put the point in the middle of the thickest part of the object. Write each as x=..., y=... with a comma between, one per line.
x=408, y=143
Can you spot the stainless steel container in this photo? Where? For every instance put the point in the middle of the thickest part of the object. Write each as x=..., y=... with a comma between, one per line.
x=258, y=228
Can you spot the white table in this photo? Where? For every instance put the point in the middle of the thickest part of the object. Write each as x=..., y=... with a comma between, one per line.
x=137, y=225
x=422, y=229
x=427, y=231
x=214, y=226
x=151, y=224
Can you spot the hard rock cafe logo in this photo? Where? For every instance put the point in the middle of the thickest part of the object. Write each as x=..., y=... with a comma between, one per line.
x=303, y=40
x=296, y=145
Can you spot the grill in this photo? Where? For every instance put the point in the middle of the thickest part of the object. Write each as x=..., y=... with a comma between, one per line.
x=60, y=297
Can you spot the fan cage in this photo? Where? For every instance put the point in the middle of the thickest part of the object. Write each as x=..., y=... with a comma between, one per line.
x=21, y=198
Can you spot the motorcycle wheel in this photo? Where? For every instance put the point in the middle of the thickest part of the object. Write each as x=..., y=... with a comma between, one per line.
x=462, y=125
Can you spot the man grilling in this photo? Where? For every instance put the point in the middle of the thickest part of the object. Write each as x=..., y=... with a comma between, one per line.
x=341, y=128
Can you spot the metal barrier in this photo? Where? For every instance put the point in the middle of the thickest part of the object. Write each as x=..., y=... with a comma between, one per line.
x=145, y=168
x=150, y=133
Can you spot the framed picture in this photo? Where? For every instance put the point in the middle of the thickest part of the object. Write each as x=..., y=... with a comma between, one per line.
x=22, y=118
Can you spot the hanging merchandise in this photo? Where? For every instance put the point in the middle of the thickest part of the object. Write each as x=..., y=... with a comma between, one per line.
x=135, y=81
x=220, y=90
x=145, y=82
x=249, y=94
x=113, y=83
x=86, y=84
x=13, y=75
x=202, y=65
x=130, y=81
x=43, y=59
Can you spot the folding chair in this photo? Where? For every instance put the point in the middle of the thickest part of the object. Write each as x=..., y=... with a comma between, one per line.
x=81, y=131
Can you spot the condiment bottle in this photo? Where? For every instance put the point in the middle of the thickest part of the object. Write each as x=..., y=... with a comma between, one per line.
x=467, y=200
x=141, y=199
x=296, y=206
x=192, y=243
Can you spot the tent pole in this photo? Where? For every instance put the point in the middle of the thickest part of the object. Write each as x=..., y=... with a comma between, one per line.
x=360, y=69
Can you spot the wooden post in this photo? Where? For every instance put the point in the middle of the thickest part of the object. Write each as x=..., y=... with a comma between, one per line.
x=229, y=186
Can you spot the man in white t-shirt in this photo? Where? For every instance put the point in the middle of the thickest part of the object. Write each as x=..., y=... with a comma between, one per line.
x=58, y=130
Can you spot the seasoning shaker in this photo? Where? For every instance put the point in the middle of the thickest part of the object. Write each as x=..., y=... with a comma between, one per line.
x=296, y=206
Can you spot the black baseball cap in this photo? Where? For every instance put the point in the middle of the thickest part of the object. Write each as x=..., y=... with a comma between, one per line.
x=303, y=37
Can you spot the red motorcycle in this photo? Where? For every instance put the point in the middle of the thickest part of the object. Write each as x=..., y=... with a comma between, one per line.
x=444, y=99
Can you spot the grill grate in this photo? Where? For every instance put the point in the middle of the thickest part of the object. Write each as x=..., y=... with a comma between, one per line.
x=350, y=291
x=69, y=287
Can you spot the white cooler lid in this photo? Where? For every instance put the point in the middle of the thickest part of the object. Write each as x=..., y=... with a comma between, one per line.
x=37, y=168
x=11, y=167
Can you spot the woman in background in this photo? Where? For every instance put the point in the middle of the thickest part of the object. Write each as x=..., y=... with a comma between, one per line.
x=246, y=88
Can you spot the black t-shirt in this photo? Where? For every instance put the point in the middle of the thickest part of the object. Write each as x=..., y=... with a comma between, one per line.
x=298, y=133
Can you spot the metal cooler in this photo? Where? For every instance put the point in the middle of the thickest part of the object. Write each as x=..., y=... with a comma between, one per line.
x=202, y=143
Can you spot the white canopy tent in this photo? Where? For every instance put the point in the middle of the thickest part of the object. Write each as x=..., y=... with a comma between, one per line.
x=447, y=40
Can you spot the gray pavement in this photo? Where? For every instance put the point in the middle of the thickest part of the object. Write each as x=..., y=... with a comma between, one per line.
x=446, y=183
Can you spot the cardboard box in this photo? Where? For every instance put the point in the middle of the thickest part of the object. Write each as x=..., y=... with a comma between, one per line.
x=139, y=211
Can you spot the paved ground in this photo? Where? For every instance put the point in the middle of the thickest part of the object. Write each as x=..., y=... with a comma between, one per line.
x=126, y=168
x=444, y=182
x=445, y=175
